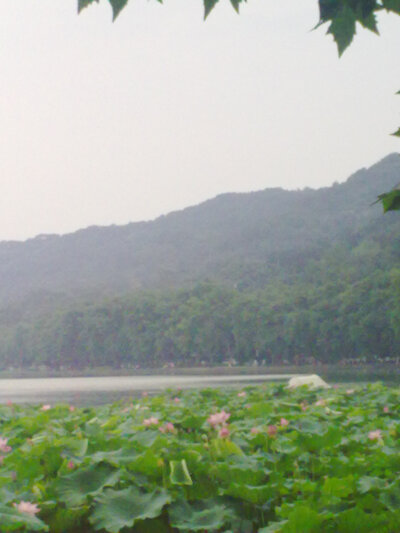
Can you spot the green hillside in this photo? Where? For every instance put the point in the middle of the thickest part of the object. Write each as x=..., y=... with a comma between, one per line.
x=270, y=276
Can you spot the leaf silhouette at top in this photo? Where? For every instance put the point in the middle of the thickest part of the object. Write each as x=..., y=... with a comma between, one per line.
x=84, y=3
x=209, y=6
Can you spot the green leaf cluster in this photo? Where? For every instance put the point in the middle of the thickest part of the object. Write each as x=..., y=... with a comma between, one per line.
x=341, y=15
x=118, y=5
x=331, y=467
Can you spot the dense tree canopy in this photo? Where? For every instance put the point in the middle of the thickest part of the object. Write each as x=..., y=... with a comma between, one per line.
x=338, y=323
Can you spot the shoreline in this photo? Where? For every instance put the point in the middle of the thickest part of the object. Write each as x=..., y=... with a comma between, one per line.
x=331, y=372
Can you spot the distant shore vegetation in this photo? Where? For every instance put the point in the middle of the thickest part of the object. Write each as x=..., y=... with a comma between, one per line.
x=212, y=325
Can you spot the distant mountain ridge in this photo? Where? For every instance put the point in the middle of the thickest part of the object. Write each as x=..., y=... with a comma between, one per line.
x=235, y=238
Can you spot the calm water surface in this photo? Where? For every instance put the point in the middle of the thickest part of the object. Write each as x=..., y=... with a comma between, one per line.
x=92, y=390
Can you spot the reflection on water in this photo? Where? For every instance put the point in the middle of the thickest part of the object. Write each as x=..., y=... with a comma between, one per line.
x=91, y=390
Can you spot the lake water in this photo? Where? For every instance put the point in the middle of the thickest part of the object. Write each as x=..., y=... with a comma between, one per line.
x=96, y=390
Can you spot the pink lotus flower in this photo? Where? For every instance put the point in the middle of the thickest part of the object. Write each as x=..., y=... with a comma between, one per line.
x=386, y=409
x=152, y=421
x=167, y=428
x=9, y=403
x=27, y=507
x=177, y=400
x=254, y=431
x=70, y=465
x=320, y=403
x=284, y=422
x=223, y=433
x=45, y=407
x=241, y=394
x=218, y=418
x=272, y=431
x=3, y=446
x=375, y=435
x=71, y=408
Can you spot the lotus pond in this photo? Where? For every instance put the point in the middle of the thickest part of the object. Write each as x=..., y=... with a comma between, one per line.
x=260, y=459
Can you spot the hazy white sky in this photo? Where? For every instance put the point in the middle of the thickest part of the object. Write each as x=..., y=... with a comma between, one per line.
x=105, y=123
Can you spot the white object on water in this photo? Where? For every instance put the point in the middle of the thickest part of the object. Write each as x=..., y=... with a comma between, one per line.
x=313, y=381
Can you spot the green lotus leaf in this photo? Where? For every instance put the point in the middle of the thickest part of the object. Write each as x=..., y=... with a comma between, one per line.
x=257, y=495
x=370, y=503
x=74, y=488
x=303, y=519
x=116, y=509
x=208, y=514
x=386, y=450
x=305, y=486
x=367, y=483
x=146, y=439
x=223, y=448
x=192, y=421
x=274, y=527
x=338, y=487
x=64, y=520
x=120, y=457
x=147, y=463
x=179, y=474
x=310, y=425
x=321, y=441
x=77, y=447
x=261, y=409
x=356, y=520
x=151, y=525
x=391, y=497
x=284, y=445
x=241, y=469
x=6, y=495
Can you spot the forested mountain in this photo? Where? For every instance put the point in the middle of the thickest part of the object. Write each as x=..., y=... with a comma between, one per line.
x=272, y=275
x=234, y=238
